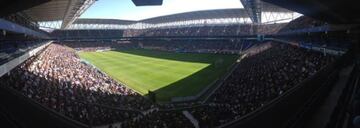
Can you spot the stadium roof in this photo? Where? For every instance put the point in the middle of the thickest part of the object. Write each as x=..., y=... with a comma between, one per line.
x=8, y=7
x=207, y=14
x=195, y=15
x=103, y=21
x=65, y=10
x=213, y=14
x=266, y=7
x=147, y=2
x=332, y=11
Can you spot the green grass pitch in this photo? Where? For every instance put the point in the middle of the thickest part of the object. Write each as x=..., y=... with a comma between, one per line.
x=167, y=74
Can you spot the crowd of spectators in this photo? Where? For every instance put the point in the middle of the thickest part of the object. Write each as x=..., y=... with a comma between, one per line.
x=199, y=46
x=58, y=79
x=229, y=46
x=161, y=119
x=314, y=34
x=87, y=34
x=328, y=40
x=302, y=22
x=193, y=31
x=94, y=46
x=222, y=30
x=259, y=79
x=185, y=31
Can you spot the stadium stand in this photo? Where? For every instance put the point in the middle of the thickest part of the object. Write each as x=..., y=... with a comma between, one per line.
x=94, y=46
x=281, y=68
x=228, y=30
x=74, y=81
x=302, y=23
x=69, y=90
x=284, y=76
x=201, y=46
x=87, y=34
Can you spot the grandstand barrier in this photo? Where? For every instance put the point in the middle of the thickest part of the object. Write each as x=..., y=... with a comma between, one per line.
x=5, y=68
x=192, y=119
x=283, y=41
x=279, y=112
x=318, y=48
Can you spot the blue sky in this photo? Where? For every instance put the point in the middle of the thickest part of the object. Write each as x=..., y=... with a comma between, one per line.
x=125, y=9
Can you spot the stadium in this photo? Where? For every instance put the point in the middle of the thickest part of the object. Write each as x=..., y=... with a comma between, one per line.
x=256, y=64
